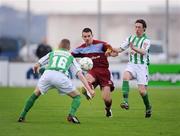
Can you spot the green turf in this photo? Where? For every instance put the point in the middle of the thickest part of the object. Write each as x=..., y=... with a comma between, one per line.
x=48, y=116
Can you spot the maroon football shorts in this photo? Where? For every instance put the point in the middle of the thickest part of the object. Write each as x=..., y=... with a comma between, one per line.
x=102, y=77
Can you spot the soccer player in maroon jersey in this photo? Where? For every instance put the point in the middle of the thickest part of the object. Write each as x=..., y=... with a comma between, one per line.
x=99, y=74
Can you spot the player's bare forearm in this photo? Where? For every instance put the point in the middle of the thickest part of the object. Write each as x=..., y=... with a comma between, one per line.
x=118, y=50
x=114, y=52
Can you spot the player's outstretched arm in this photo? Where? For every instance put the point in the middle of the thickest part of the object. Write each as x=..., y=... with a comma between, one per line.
x=114, y=52
x=85, y=82
x=118, y=50
x=43, y=61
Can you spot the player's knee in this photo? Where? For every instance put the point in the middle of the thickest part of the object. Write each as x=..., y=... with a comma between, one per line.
x=37, y=92
x=142, y=91
x=127, y=76
x=106, y=93
x=106, y=98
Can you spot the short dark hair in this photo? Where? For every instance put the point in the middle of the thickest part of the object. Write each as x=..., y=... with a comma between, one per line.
x=142, y=22
x=86, y=30
x=65, y=43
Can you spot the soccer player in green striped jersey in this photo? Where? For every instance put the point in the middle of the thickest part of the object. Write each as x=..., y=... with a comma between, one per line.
x=137, y=67
x=58, y=63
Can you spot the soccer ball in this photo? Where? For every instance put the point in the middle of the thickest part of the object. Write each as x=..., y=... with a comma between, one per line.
x=86, y=63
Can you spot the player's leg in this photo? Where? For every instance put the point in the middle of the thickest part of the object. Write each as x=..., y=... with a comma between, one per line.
x=75, y=95
x=125, y=89
x=144, y=95
x=64, y=85
x=106, y=95
x=107, y=86
x=142, y=79
x=42, y=87
x=29, y=103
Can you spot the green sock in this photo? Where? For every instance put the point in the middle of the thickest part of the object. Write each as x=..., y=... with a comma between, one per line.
x=28, y=105
x=146, y=100
x=125, y=90
x=75, y=105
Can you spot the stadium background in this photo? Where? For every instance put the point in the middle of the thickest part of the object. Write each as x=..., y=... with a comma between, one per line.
x=26, y=22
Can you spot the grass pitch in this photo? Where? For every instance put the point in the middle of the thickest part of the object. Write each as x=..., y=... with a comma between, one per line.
x=48, y=115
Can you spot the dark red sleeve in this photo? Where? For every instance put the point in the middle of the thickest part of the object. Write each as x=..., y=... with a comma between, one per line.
x=106, y=47
x=76, y=52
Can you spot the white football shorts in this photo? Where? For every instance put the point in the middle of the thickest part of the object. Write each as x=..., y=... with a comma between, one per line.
x=55, y=79
x=139, y=72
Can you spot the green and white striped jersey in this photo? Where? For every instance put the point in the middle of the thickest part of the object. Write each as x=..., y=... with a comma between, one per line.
x=60, y=60
x=139, y=42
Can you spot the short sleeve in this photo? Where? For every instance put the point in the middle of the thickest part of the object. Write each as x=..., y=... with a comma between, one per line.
x=44, y=60
x=75, y=67
x=106, y=47
x=146, y=44
x=125, y=44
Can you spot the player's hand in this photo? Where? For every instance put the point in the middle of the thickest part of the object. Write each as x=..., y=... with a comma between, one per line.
x=92, y=92
x=108, y=52
x=116, y=50
x=36, y=68
x=114, y=54
x=89, y=94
